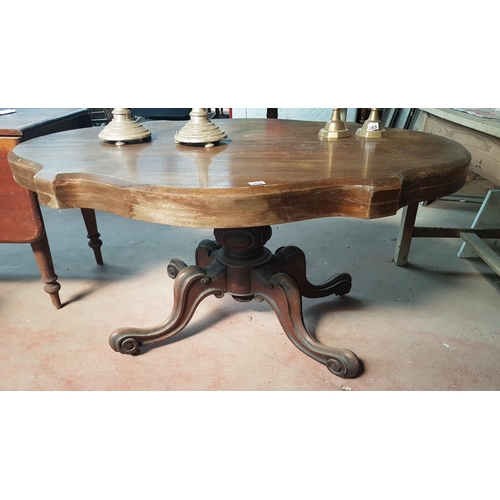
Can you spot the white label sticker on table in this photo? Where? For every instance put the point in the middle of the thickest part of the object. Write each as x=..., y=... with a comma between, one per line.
x=257, y=183
x=373, y=126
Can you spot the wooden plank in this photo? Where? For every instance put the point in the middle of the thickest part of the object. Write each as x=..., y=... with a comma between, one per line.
x=483, y=250
x=451, y=232
x=488, y=126
x=484, y=149
x=488, y=216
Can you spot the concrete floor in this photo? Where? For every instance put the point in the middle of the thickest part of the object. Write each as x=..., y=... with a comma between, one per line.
x=433, y=325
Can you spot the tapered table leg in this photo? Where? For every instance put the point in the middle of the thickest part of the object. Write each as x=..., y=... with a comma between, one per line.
x=93, y=234
x=43, y=257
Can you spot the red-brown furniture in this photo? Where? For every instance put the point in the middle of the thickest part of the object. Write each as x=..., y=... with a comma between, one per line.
x=21, y=220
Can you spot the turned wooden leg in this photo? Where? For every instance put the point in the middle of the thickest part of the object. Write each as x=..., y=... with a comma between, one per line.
x=283, y=294
x=191, y=286
x=92, y=233
x=43, y=257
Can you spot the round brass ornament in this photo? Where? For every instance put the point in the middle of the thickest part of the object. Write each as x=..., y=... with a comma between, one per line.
x=123, y=128
x=199, y=130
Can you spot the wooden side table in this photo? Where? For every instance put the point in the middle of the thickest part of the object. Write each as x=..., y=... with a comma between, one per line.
x=481, y=136
x=21, y=220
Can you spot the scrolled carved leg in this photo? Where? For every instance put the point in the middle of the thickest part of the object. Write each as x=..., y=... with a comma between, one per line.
x=204, y=254
x=292, y=261
x=174, y=267
x=191, y=286
x=284, y=296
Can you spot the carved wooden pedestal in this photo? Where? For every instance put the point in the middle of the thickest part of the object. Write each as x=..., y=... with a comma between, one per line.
x=239, y=264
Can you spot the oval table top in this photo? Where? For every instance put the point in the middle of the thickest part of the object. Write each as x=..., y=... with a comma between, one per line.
x=266, y=172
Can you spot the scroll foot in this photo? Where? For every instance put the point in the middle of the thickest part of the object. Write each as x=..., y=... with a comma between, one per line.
x=284, y=296
x=174, y=267
x=191, y=286
x=204, y=254
x=292, y=261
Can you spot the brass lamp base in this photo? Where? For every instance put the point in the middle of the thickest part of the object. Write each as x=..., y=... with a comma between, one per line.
x=372, y=128
x=335, y=128
x=123, y=128
x=199, y=130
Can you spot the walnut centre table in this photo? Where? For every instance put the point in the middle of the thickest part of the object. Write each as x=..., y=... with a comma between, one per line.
x=266, y=172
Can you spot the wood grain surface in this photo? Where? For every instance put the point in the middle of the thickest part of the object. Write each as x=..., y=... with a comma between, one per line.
x=20, y=218
x=484, y=149
x=266, y=172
